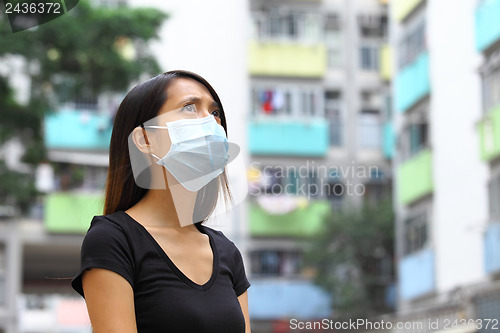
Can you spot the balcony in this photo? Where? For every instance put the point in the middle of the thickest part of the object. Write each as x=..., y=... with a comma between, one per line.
x=416, y=274
x=71, y=212
x=303, y=221
x=412, y=83
x=489, y=135
x=487, y=24
x=77, y=130
x=289, y=137
x=492, y=248
x=386, y=63
x=402, y=8
x=271, y=299
x=288, y=59
x=415, y=177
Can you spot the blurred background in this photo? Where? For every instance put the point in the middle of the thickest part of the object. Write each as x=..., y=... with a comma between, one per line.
x=370, y=136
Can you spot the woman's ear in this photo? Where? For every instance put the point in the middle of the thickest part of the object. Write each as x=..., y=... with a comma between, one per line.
x=140, y=138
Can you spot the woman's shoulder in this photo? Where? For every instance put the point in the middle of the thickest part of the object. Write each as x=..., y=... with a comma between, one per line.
x=110, y=224
x=219, y=237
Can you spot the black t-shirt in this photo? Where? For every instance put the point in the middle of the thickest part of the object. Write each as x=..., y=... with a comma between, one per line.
x=165, y=299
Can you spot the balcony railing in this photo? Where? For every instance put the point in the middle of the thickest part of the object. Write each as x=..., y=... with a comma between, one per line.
x=271, y=299
x=78, y=130
x=293, y=137
x=402, y=8
x=303, y=221
x=412, y=83
x=386, y=63
x=389, y=139
x=287, y=58
x=415, y=177
x=492, y=248
x=71, y=212
x=417, y=274
x=487, y=24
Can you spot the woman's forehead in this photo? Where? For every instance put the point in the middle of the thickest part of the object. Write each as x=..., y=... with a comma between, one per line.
x=182, y=87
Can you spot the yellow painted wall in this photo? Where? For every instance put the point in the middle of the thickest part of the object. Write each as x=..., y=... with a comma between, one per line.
x=401, y=8
x=287, y=59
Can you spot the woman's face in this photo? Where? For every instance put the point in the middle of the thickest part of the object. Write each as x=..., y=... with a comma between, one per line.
x=186, y=99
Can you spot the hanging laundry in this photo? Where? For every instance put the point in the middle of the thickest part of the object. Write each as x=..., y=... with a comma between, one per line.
x=267, y=107
x=278, y=100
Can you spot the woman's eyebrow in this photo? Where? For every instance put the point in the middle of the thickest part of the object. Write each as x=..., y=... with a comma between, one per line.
x=197, y=99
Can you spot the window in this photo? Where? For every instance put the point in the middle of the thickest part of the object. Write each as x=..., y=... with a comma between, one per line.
x=369, y=57
x=369, y=129
x=412, y=45
x=94, y=178
x=290, y=180
x=415, y=232
x=286, y=101
x=491, y=90
x=387, y=117
x=333, y=40
x=375, y=193
x=494, y=198
x=333, y=113
x=372, y=25
x=413, y=139
x=334, y=191
x=286, y=24
x=272, y=180
x=274, y=262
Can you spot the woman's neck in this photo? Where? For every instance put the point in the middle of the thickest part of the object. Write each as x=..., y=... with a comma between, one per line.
x=158, y=209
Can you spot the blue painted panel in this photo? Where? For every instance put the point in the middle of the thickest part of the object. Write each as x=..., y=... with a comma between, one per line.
x=389, y=140
x=417, y=274
x=492, y=248
x=272, y=299
x=412, y=83
x=487, y=21
x=71, y=129
x=288, y=137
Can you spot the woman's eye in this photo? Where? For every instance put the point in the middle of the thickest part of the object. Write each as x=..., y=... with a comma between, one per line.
x=216, y=113
x=189, y=108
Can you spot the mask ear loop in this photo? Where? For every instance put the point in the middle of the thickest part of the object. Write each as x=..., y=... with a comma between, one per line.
x=151, y=155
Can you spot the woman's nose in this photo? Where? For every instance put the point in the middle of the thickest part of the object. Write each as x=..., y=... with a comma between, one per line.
x=204, y=113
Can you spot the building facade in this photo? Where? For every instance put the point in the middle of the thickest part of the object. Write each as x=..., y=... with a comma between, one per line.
x=446, y=247
x=319, y=111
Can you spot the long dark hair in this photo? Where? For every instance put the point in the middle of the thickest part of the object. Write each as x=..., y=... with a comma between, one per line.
x=141, y=104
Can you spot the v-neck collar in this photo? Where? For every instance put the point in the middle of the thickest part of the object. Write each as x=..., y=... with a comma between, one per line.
x=173, y=267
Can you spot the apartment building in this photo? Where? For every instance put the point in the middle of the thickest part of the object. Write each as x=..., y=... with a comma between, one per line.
x=319, y=111
x=446, y=246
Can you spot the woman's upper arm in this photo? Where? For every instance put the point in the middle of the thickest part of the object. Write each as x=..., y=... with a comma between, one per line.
x=110, y=301
x=243, y=299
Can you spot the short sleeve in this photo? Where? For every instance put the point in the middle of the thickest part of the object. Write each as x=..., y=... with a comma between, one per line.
x=105, y=246
x=240, y=281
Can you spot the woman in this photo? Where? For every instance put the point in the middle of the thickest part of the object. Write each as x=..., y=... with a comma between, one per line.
x=143, y=269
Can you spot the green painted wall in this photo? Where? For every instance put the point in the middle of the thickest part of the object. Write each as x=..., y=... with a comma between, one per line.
x=67, y=212
x=287, y=59
x=301, y=222
x=415, y=177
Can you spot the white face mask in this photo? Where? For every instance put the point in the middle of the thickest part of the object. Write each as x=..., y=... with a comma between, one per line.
x=199, y=151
